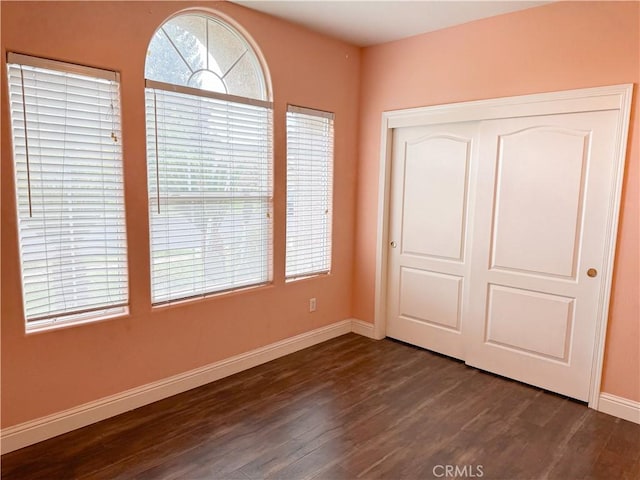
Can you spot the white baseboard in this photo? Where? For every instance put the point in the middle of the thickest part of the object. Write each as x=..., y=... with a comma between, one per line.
x=362, y=328
x=40, y=429
x=619, y=407
x=43, y=428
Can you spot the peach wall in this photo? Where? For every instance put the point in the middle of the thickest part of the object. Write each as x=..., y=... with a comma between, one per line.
x=48, y=372
x=558, y=46
x=554, y=47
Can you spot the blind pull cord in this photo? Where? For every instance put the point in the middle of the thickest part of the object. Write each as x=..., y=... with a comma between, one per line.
x=26, y=140
x=155, y=125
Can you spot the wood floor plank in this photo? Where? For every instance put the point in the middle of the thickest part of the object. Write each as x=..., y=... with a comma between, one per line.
x=350, y=408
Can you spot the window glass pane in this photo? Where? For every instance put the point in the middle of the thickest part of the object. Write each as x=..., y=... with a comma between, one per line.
x=225, y=46
x=68, y=168
x=187, y=33
x=164, y=63
x=243, y=79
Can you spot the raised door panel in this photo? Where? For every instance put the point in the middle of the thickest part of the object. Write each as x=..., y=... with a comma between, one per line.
x=431, y=297
x=435, y=194
x=539, y=200
x=529, y=322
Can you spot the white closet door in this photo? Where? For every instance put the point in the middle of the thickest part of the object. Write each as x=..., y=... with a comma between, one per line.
x=540, y=222
x=429, y=235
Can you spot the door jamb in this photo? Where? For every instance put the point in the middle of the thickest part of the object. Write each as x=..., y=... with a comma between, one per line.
x=615, y=97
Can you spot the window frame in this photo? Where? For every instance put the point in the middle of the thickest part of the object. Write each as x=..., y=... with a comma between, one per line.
x=155, y=85
x=329, y=142
x=237, y=29
x=57, y=318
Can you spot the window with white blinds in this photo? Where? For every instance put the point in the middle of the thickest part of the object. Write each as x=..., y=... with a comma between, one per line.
x=209, y=156
x=309, y=191
x=65, y=123
x=209, y=170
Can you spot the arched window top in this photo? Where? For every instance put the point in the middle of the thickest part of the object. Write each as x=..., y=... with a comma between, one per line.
x=200, y=51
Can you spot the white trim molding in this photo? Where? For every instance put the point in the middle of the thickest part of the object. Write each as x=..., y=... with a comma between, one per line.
x=619, y=407
x=363, y=328
x=38, y=430
x=615, y=97
x=28, y=433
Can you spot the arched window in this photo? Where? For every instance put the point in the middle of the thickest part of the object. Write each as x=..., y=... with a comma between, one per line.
x=203, y=52
x=209, y=158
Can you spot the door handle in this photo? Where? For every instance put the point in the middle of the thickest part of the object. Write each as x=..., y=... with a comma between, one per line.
x=393, y=244
x=592, y=272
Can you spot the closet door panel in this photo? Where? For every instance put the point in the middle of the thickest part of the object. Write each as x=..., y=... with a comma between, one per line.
x=429, y=235
x=539, y=227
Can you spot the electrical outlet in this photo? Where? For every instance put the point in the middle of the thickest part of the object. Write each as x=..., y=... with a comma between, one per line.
x=312, y=304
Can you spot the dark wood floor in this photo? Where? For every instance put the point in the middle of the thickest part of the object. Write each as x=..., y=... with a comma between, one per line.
x=349, y=408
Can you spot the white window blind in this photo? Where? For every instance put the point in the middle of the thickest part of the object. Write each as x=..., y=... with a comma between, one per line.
x=65, y=123
x=210, y=192
x=309, y=191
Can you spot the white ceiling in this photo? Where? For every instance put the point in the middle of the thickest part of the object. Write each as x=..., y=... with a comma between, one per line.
x=370, y=22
